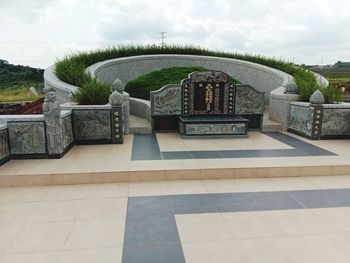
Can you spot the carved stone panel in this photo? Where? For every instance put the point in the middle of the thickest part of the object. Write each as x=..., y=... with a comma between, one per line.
x=91, y=124
x=336, y=122
x=166, y=101
x=4, y=147
x=301, y=119
x=67, y=131
x=27, y=137
x=216, y=129
x=209, y=76
x=249, y=100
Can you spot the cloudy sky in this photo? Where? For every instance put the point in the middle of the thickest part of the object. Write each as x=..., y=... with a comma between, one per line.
x=38, y=32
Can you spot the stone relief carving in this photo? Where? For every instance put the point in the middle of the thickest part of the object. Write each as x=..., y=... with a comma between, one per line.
x=27, y=137
x=67, y=131
x=249, y=101
x=168, y=102
x=209, y=76
x=53, y=121
x=91, y=124
x=237, y=128
x=301, y=119
x=336, y=122
x=4, y=148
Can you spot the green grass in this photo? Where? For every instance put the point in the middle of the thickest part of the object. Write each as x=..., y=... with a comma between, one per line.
x=71, y=68
x=340, y=79
x=143, y=85
x=17, y=93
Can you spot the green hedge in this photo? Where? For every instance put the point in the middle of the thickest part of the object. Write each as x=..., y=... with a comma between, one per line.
x=71, y=68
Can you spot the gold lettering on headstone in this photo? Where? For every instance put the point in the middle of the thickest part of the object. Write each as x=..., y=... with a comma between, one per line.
x=209, y=96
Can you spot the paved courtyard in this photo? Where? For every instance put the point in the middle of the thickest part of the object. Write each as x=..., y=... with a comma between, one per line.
x=302, y=219
x=166, y=156
x=296, y=208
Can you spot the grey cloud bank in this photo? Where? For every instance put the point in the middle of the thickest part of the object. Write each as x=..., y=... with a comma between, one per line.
x=38, y=32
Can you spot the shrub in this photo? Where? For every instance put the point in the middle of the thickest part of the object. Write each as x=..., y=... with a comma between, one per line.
x=332, y=95
x=92, y=92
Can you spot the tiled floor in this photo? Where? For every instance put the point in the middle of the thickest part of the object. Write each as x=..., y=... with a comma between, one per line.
x=242, y=220
x=168, y=157
x=169, y=146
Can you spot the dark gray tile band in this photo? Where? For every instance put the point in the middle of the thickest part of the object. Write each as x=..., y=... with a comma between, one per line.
x=145, y=147
x=151, y=233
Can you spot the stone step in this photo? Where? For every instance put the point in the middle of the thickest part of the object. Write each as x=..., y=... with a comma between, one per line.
x=271, y=127
x=139, y=125
x=96, y=177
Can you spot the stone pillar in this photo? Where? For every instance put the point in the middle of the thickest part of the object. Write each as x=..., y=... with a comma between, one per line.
x=53, y=122
x=119, y=86
x=316, y=103
x=116, y=101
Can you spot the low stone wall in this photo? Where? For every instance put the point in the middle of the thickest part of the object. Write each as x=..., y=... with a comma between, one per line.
x=280, y=102
x=260, y=77
x=25, y=136
x=325, y=121
x=336, y=120
x=140, y=108
x=4, y=144
x=30, y=136
x=91, y=123
x=280, y=106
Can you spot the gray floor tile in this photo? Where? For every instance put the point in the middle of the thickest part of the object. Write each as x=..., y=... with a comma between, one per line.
x=291, y=152
x=155, y=253
x=145, y=156
x=176, y=155
x=276, y=201
x=235, y=202
x=191, y=204
x=263, y=153
x=149, y=206
x=319, y=198
x=205, y=154
x=150, y=230
x=234, y=154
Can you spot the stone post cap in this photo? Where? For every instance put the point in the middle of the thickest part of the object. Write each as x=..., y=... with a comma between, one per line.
x=317, y=98
x=116, y=99
x=118, y=85
x=291, y=88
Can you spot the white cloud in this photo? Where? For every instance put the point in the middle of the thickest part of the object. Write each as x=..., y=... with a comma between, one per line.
x=36, y=32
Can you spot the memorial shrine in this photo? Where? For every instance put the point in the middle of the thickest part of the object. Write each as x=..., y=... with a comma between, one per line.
x=207, y=103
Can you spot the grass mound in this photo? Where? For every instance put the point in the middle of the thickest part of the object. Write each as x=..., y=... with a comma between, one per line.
x=143, y=85
x=71, y=68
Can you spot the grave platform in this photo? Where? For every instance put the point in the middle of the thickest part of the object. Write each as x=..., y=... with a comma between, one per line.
x=166, y=156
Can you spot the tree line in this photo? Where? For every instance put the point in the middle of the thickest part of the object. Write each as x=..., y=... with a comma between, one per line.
x=13, y=75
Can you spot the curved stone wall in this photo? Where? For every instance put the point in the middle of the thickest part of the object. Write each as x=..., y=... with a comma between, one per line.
x=260, y=77
x=63, y=90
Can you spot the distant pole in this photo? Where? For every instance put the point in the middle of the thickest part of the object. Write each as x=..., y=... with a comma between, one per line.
x=163, y=37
